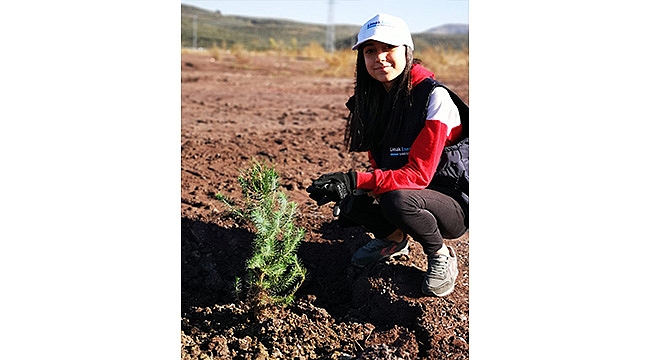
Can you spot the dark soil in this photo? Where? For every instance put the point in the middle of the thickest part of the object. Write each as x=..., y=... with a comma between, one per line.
x=280, y=110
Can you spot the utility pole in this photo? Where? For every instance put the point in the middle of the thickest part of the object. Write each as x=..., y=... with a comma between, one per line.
x=329, y=36
x=194, y=32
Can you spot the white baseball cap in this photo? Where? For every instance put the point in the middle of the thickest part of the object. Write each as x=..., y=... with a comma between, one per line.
x=387, y=29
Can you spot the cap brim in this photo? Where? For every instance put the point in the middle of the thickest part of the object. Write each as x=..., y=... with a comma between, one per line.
x=380, y=38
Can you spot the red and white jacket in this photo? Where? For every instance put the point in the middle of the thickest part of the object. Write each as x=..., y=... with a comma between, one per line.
x=441, y=128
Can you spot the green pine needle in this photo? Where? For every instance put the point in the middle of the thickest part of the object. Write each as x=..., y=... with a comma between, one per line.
x=274, y=266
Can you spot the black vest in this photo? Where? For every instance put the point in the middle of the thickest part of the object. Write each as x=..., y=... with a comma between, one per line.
x=394, y=155
x=452, y=174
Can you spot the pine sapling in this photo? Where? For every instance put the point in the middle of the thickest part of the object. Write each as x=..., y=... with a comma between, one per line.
x=274, y=271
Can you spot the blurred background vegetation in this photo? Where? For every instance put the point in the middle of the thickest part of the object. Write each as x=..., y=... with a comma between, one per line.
x=257, y=34
x=245, y=37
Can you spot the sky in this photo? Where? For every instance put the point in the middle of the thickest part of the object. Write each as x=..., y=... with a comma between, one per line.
x=419, y=15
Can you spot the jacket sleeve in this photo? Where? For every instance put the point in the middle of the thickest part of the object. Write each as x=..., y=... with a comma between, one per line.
x=421, y=166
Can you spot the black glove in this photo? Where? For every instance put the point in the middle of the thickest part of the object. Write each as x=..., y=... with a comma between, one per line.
x=332, y=187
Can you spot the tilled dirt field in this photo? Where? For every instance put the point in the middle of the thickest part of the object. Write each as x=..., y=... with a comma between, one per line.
x=282, y=111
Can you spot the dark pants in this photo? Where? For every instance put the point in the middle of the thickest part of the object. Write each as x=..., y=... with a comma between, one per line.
x=427, y=215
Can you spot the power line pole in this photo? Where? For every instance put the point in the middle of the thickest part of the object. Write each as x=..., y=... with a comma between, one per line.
x=194, y=32
x=329, y=36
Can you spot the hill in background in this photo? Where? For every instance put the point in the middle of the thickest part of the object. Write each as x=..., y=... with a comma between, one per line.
x=216, y=29
x=449, y=29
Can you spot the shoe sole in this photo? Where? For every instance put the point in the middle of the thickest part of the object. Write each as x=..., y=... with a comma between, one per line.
x=426, y=291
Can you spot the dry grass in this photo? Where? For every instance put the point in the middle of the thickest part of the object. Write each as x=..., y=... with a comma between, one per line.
x=242, y=56
x=192, y=51
x=217, y=52
x=313, y=51
x=445, y=61
x=341, y=64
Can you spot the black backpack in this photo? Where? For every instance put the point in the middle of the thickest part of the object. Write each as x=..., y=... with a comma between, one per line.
x=452, y=174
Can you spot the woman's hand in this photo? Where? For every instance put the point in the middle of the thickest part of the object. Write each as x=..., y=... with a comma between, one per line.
x=332, y=187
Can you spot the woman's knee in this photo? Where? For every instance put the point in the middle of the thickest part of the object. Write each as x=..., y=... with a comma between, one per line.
x=397, y=203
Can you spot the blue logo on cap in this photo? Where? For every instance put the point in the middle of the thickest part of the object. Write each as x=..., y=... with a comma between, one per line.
x=378, y=23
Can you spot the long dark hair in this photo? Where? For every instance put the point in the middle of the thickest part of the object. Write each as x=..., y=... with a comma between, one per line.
x=376, y=114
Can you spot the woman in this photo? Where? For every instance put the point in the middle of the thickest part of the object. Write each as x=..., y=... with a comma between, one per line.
x=404, y=120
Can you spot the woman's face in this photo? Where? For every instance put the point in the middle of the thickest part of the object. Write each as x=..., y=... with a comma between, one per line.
x=384, y=62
